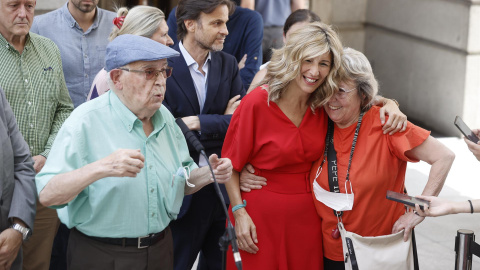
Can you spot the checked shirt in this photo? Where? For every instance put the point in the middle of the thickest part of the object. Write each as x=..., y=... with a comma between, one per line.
x=35, y=88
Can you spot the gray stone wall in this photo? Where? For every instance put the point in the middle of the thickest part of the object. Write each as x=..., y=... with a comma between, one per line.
x=426, y=54
x=44, y=6
x=348, y=18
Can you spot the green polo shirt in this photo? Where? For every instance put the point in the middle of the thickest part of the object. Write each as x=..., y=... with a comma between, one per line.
x=35, y=88
x=120, y=206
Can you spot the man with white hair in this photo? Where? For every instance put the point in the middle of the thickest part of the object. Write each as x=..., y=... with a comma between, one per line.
x=34, y=85
x=119, y=167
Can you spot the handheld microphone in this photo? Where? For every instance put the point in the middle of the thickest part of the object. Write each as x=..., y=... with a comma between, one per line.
x=191, y=138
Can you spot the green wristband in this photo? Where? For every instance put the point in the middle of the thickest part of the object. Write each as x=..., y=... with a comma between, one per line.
x=238, y=206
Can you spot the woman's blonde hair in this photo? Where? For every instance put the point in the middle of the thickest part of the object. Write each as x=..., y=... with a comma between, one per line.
x=140, y=20
x=357, y=68
x=313, y=40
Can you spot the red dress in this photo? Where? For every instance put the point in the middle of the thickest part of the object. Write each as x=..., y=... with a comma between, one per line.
x=288, y=227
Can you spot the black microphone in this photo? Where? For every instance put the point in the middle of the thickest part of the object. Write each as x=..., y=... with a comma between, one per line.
x=191, y=138
x=233, y=240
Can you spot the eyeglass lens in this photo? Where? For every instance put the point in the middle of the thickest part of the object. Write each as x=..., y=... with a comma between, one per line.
x=343, y=93
x=153, y=73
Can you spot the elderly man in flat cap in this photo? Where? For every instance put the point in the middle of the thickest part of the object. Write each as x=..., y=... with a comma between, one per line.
x=120, y=166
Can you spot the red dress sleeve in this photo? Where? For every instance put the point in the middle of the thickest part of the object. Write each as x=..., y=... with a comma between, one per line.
x=239, y=141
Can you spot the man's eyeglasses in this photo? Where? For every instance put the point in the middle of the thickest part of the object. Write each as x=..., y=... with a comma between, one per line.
x=342, y=93
x=151, y=74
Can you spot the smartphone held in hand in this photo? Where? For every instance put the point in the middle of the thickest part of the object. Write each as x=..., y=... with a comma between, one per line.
x=466, y=131
x=406, y=199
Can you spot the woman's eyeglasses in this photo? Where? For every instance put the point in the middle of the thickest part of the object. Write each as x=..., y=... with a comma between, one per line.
x=151, y=74
x=342, y=93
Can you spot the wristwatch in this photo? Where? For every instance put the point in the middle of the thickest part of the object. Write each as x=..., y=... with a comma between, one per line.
x=24, y=231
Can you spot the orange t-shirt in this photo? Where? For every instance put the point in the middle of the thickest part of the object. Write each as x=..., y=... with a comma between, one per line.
x=379, y=164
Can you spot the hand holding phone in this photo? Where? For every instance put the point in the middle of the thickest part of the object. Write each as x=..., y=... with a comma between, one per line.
x=466, y=131
x=405, y=199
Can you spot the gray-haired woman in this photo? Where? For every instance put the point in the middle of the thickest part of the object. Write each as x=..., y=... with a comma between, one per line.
x=378, y=163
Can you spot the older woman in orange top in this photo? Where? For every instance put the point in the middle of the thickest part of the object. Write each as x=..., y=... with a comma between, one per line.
x=378, y=163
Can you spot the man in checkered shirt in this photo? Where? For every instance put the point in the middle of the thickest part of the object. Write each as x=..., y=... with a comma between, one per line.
x=32, y=77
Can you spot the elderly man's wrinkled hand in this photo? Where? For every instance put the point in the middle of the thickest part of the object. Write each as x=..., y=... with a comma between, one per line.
x=222, y=168
x=407, y=222
x=249, y=181
x=124, y=163
x=10, y=243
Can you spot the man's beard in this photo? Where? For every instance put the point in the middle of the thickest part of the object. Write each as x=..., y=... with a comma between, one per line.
x=210, y=47
x=85, y=9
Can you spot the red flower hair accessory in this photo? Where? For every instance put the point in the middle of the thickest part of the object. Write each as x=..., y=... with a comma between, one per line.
x=118, y=21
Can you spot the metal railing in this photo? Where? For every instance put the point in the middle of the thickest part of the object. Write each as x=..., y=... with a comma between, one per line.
x=465, y=247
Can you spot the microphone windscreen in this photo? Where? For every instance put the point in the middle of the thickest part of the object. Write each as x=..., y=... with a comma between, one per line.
x=189, y=136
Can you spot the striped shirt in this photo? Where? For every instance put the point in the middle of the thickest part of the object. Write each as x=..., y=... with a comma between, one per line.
x=35, y=88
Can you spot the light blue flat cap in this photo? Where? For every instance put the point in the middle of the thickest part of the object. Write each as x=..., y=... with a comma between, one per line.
x=126, y=49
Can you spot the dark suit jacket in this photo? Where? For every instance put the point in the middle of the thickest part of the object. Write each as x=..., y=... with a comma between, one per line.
x=17, y=176
x=245, y=36
x=224, y=82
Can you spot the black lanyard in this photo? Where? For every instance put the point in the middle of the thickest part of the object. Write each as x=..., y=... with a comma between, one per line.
x=332, y=158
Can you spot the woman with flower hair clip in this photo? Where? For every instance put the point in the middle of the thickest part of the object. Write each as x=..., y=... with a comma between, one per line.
x=143, y=21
